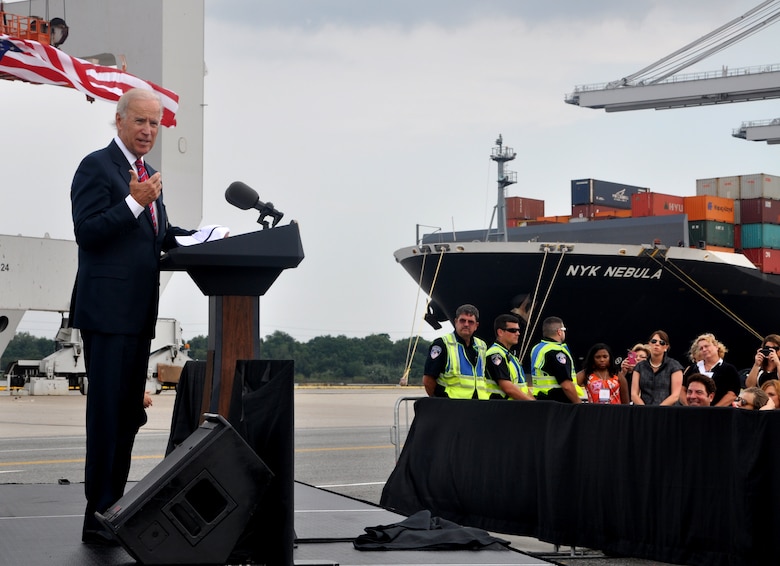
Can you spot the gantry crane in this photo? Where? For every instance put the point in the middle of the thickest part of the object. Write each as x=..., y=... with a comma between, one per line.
x=659, y=86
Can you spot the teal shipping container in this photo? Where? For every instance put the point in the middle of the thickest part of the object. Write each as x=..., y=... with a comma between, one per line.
x=760, y=236
x=711, y=233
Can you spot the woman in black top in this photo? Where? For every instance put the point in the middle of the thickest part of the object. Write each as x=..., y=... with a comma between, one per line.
x=708, y=353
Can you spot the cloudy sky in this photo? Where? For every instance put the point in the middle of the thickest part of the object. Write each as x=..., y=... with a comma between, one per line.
x=361, y=119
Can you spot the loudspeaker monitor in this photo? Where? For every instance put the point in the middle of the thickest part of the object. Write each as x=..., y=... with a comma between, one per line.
x=193, y=506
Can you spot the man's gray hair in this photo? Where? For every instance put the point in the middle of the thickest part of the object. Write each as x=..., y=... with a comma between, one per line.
x=467, y=309
x=137, y=94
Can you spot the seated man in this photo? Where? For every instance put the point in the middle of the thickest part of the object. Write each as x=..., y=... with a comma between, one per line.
x=700, y=390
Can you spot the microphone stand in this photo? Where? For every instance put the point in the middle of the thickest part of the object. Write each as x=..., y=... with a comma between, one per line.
x=267, y=209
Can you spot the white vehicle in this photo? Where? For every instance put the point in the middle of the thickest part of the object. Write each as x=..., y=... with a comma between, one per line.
x=64, y=369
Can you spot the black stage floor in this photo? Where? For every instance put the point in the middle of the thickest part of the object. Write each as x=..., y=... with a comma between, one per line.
x=41, y=524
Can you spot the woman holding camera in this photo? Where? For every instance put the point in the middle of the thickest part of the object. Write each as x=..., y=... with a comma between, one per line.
x=766, y=362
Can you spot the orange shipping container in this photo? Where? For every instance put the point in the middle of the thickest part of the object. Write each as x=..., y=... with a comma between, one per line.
x=592, y=210
x=656, y=204
x=554, y=219
x=604, y=214
x=708, y=207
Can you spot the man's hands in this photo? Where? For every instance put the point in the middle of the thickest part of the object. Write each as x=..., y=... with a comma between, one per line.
x=145, y=193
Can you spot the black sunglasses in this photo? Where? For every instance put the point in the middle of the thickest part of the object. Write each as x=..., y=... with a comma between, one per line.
x=512, y=330
x=656, y=341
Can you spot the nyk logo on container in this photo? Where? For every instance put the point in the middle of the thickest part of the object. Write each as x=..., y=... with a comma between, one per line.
x=713, y=206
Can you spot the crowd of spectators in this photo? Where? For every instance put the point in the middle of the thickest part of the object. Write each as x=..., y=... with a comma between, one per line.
x=462, y=366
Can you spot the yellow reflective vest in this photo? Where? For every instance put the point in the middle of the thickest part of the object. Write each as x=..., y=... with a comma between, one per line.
x=542, y=380
x=515, y=371
x=460, y=377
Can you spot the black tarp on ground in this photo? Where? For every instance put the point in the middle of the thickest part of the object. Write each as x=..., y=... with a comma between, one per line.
x=676, y=484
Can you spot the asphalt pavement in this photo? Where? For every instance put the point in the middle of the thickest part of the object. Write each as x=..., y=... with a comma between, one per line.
x=344, y=442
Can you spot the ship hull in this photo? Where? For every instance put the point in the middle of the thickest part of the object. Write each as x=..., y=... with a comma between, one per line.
x=604, y=292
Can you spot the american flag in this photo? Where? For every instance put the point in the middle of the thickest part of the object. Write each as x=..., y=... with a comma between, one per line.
x=43, y=64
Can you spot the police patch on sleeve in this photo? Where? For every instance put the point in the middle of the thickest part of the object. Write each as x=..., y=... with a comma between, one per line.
x=561, y=357
x=435, y=351
x=496, y=359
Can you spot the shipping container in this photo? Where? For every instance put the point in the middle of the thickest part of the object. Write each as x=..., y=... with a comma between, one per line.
x=728, y=187
x=760, y=236
x=708, y=207
x=522, y=207
x=707, y=187
x=766, y=259
x=760, y=211
x=738, y=236
x=718, y=249
x=759, y=186
x=591, y=210
x=554, y=219
x=656, y=204
x=607, y=214
x=593, y=191
x=737, y=212
x=709, y=232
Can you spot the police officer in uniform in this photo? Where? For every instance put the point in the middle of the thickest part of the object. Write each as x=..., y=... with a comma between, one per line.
x=554, y=378
x=505, y=378
x=455, y=366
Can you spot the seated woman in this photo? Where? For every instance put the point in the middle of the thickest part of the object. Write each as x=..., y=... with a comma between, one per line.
x=772, y=388
x=658, y=379
x=753, y=399
x=707, y=353
x=766, y=362
x=599, y=376
x=638, y=353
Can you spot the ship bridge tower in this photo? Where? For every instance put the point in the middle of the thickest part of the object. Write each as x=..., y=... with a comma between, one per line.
x=501, y=155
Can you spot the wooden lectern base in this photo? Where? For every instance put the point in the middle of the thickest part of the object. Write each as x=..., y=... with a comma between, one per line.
x=234, y=334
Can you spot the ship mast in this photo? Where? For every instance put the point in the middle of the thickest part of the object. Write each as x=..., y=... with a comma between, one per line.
x=501, y=155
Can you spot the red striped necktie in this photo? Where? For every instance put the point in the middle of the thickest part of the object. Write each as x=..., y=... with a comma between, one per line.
x=143, y=176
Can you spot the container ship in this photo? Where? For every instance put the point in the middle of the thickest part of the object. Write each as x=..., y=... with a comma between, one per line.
x=626, y=262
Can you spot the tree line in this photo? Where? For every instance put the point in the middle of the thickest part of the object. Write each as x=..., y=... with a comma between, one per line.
x=374, y=359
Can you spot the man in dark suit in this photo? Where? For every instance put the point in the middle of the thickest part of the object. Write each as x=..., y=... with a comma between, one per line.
x=120, y=238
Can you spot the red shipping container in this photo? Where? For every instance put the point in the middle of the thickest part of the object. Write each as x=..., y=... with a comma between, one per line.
x=521, y=207
x=591, y=210
x=737, y=236
x=766, y=259
x=656, y=204
x=708, y=207
x=759, y=211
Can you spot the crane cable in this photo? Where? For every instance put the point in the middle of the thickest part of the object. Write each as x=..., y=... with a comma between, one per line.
x=691, y=283
x=732, y=32
x=414, y=338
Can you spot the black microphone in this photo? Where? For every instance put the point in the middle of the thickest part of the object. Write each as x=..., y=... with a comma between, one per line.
x=245, y=197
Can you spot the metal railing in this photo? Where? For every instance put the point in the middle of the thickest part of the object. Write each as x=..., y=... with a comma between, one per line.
x=399, y=430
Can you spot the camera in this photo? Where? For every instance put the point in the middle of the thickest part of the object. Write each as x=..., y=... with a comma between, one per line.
x=766, y=351
x=631, y=358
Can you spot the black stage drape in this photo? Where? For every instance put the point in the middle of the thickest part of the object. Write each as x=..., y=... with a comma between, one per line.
x=262, y=411
x=689, y=485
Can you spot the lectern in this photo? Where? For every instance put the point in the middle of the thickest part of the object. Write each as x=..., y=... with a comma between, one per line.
x=234, y=272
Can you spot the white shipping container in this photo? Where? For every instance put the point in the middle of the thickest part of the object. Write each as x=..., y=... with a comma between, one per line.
x=760, y=185
x=707, y=187
x=728, y=187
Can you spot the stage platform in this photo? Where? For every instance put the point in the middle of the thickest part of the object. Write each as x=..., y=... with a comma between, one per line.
x=41, y=525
